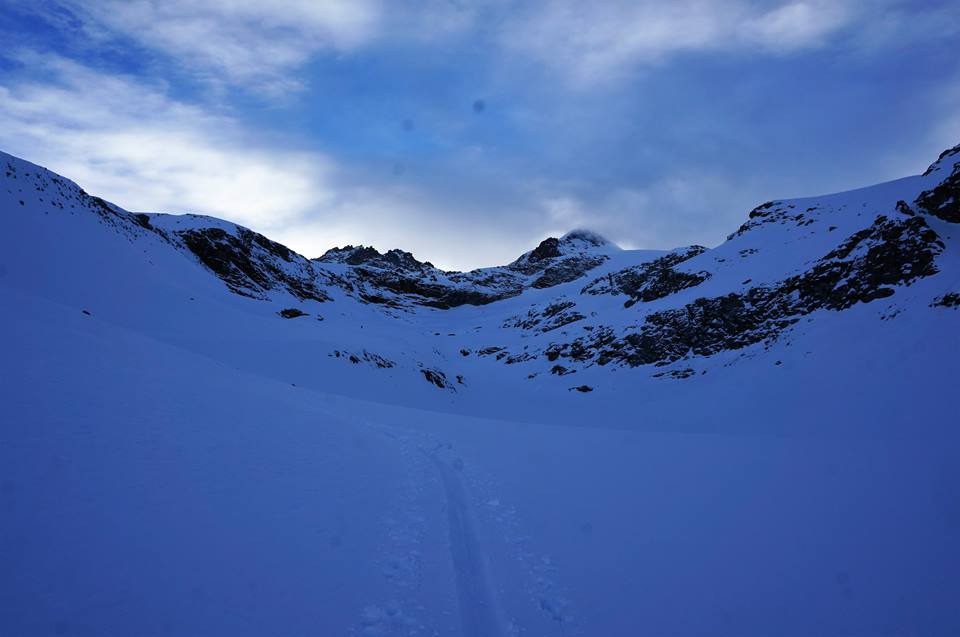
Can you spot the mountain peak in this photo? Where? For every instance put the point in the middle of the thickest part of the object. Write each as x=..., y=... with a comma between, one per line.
x=574, y=242
x=585, y=236
x=947, y=159
x=368, y=255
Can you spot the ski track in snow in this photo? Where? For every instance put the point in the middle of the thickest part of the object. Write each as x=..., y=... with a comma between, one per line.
x=479, y=613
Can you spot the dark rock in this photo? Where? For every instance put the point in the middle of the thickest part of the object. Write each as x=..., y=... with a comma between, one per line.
x=762, y=210
x=652, y=280
x=423, y=292
x=904, y=208
x=548, y=249
x=950, y=152
x=248, y=263
x=951, y=299
x=676, y=373
x=371, y=257
x=291, y=312
x=370, y=358
x=554, y=316
x=944, y=200
x=566, y=270
x=436, y=377
x=861, y=269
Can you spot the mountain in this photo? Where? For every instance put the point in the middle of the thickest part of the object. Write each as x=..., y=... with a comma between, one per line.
x=208, y=433
x=879, y=257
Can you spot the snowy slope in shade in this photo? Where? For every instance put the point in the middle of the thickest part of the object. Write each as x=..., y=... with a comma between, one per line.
x=177, y=459
x=161, y=493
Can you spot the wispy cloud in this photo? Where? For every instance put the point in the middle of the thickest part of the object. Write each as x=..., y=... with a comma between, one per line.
x=795, y=25
x=130, y=141
x=596, y=43
x=252, y=43
x=656, y=163
x=676, y=210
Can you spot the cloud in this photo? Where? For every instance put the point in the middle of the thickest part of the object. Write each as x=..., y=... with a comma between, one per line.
x=130, y=142
x=596, y=43
x=796, y=25
x=253, y=43
x=450, y=234
x=262, y=45
x=655, y=174
x=697, y=207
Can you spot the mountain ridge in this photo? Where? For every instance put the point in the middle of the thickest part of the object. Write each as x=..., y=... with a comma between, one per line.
x=575, y=304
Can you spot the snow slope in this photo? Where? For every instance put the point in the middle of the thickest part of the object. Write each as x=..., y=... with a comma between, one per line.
x=176, y=458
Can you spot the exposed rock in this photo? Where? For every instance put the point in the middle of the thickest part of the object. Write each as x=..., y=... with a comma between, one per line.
x=686, y=372
x=424, y=292
x=555, y=315
x=438, y=378
x=549, y=248
x=566, y=270
x=652, y=280
x=365, y=357
x=522, y=357
x=291, y=312
x=564, y=259
x=944, y=200
x=951, y=299
x=361, y=255
x=250, y=264
x=859, y=270
x=937, y=165
x=397, y=279
x=773, y=212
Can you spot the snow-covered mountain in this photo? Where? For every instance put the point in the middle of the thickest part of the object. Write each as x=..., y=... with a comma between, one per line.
x=576, y=413
x=562, y=316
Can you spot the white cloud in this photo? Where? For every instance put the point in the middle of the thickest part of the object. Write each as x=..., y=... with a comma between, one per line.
x=135, y=146
x=255, y=43
x=600, y=42
x=796, y=25
x=132, y=144
x=449, y=231
x=697, y=207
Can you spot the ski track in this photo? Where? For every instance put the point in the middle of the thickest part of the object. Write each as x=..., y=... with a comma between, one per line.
x=479, y=615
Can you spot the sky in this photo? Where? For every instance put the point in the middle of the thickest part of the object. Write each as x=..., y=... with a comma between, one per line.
x=466, y=132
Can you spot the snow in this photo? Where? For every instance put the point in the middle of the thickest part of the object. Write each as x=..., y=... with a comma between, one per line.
x=587, y=239
x=176, y=459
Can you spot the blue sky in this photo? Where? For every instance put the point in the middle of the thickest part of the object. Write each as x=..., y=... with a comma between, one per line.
x=468, y=131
